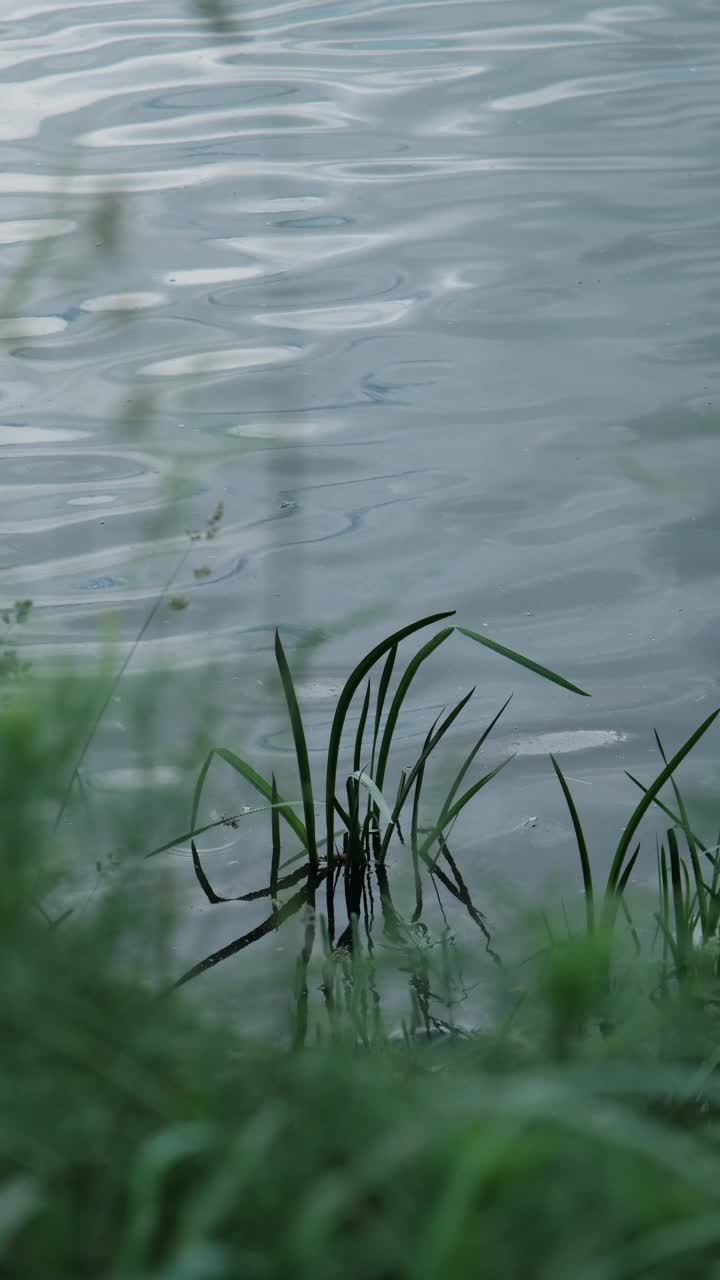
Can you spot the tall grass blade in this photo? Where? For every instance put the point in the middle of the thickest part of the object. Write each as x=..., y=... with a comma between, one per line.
x=301, y=751
x=383, y=687
x=648, y=797
x=407, y=780
x=357, y=755
x=625, y=877
x=275, y=858
x=373, y=790
x=290, y=908
x=691, y=844
x=343, y=705
x=522, y=661
x=674, y=817
x=400, y=694
x=681, y=931
x=582, y=848
x=458, y=781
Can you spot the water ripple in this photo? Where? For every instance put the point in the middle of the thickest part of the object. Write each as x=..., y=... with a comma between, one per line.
x=395, y=278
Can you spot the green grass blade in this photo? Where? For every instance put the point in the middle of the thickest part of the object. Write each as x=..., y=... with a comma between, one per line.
x=663, y=879
x=418, y=784
x=383, y=687
x=301, y=751
x=522, y=661
x=714, y=913
x=343, y=705
x=408, y=778
x=458, y=781
x=357, y=755
x=681, y=934
x=649, y=796
x=400, y=694
x=582, y=848
x=275, y=859
x=691, y=843
x=373, y=790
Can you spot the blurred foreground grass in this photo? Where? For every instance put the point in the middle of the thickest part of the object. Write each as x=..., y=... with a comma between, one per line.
x=141, y=1138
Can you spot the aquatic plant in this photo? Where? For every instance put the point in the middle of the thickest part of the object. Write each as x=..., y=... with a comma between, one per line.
x=360, y=821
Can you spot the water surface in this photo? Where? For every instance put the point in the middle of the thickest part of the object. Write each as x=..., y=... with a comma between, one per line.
x=428, y=295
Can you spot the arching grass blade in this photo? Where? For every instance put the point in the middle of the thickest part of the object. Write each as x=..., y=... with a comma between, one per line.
x=383, y=687
x=522, y=661
x=400, y=694
x=647, y=800
x=357, y=755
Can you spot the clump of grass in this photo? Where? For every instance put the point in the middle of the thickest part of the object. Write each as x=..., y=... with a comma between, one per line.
x=342, y=869
x=360, y=820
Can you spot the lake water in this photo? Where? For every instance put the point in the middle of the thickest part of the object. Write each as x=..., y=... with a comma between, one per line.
x=427, y=294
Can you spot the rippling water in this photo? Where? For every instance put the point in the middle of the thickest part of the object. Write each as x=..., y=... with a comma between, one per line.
x=428, y=294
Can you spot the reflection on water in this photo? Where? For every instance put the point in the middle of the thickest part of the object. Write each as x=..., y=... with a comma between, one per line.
x=428, y=295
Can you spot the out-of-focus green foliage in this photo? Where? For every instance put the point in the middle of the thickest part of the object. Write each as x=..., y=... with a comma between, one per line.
x=141, y=1140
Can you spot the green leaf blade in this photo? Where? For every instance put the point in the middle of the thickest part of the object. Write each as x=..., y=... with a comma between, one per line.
x=523, y=661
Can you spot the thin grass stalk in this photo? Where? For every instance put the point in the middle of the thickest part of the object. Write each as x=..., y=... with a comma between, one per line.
x=273, y=921
x=113, y=685
x=357, y=754
x=692, y=845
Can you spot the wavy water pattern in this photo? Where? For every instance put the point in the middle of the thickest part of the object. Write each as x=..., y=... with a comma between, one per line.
x=426, y=293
